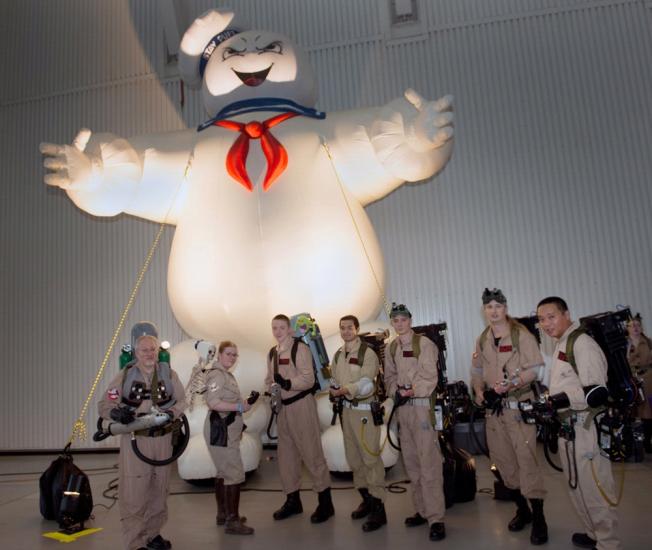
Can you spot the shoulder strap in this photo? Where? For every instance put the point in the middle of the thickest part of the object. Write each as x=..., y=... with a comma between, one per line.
x=515, y=335
x=293, y=352
x=570, y=345
x=273, y=357
x=336, y=357
x=361, y=351
x=416, y=345
x=483, y=337
x=392, y=348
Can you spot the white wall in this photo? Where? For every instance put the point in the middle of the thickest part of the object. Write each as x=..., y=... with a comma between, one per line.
x=548, y=190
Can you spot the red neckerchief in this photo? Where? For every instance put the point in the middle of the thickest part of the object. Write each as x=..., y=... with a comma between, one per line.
x=275, y=153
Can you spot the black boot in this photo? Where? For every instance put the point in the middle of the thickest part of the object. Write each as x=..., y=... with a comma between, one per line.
x=647, y=435
x=325, y=507
x=291, y=506
x=539, y=533
x=523, y=515
x=582, y=540
x=234, y=524
x=415, y=520
x=377, y=517
x=363, y=510
x=437, y=531
x=159, y=543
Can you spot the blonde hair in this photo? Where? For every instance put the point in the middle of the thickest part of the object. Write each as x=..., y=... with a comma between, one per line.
x=148, y=337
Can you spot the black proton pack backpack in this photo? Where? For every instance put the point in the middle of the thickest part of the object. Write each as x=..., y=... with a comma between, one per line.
x=610, y=333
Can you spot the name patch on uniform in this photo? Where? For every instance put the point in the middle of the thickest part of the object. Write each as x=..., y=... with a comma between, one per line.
x=284, y=361
x=113, y=394
x=562, y=356
x=353, y=361
x=503, y=349
x=407, y=353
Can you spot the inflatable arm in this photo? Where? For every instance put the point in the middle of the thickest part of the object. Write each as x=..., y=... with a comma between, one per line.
x=377, y=150
x=105, y=175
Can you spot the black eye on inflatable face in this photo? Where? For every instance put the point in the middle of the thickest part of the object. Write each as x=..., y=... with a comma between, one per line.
x=230, y=52
x=272, y=47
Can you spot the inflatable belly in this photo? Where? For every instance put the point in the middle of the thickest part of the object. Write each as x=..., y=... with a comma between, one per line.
x=239, y=257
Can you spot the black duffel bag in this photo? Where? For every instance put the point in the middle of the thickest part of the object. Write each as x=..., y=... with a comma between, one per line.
x=63, y=476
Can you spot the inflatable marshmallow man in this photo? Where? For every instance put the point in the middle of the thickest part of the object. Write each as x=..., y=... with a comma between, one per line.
x=267, y=195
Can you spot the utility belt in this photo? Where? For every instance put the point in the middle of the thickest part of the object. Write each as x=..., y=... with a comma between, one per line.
x=159, y=431
x=512, y=404
x=418, y=402
x=356, y=406
x=299, y=396
x=518, y=393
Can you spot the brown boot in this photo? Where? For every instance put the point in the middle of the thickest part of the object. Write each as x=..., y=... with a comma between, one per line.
x=234, y=524
x=220, y=519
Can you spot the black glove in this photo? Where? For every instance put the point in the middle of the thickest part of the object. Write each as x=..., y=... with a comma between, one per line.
x=560, y=401
x=493, y=400
x=253, y=397
x=490, y=398
x=400, y=399
x=122, y=415
x=283, y=382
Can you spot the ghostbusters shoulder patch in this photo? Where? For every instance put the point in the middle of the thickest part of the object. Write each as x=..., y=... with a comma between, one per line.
x=213, y=386
x=113, y=394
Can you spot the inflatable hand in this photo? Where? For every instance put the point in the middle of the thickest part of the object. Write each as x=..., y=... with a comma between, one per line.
x=433, y=126
x=68, y=165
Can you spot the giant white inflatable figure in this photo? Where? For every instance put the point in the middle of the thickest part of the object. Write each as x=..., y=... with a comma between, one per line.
x=267, y=195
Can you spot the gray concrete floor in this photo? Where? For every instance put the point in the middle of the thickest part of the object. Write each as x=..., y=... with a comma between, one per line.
x=481, y=523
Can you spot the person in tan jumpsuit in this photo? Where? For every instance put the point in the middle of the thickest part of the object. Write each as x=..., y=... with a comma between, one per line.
x=573, y=394
x=143, y=488
x=506, y=359
x=354, y=376
x=299, y=434
x=413, y=379
x=223, y=396
x=639, y=357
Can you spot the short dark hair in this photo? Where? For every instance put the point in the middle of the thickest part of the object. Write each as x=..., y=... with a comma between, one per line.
x=353, y=318
x=559, y=302
x=281, y=317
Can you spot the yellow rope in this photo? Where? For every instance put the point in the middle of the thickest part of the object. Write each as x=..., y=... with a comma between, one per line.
x=605, y=496
x=79, y=427
x=357, y=229
x=364, y=444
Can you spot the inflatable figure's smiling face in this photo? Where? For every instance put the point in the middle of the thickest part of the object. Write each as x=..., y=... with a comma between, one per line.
x=256, y=64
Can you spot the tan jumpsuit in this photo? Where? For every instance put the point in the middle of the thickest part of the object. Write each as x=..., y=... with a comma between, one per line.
x=639, y=358
x=512, y=443
x=363, y=456
x=221, y=386
x=598, y=517
x=419, y=440
x=299, y=433
x=142, y=488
